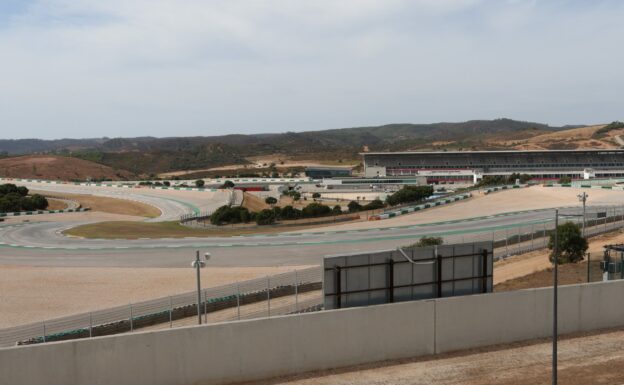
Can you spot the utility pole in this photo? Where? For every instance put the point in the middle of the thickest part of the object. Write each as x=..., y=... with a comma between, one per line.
x=555, y=278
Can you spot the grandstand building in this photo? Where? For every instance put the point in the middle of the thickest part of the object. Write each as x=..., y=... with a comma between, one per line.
x=472, y=166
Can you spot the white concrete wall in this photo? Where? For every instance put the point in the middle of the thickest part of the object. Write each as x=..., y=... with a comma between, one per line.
x=264, y=348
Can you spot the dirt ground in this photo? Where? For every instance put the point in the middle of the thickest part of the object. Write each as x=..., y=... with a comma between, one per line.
x=30, y=294
x=583, y=360
x=56, y=168
x=110, y=205
x=54, y=204
x=533, y=269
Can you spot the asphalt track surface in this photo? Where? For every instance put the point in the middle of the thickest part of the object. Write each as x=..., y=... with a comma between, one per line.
x=42, y=243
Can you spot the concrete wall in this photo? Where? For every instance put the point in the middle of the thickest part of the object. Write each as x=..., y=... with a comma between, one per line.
x=264, y=348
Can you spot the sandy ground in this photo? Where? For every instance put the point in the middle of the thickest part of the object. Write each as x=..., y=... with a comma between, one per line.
x=532, y=262
x=531, y=198
x=30, y=294
x=85, y=216
x=583, y=360
x=109, y=205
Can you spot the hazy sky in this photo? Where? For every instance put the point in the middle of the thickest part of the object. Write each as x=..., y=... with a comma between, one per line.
x=90, y=68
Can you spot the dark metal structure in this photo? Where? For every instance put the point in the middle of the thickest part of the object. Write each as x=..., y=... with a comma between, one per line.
x=407, y=274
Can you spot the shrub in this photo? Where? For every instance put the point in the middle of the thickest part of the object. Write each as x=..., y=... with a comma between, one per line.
x=270, y=201
x=289, y=212
x=429, y=241
x=265, y=217
x=315, y=210
x=227, y=184
x=337, y=210
x=409, y=194
x=354, y=207
x=374, y=205
x=230, y=215
x=316, y=195
x=199, y=183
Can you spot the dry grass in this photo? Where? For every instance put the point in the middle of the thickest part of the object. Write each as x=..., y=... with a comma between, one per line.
x=54, y=204
x=56, y=168
x=111, y=205
x=254, y=203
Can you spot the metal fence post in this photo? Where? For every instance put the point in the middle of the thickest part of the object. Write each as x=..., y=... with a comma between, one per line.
x=296, y=292
x=205, y=306
x=238, y=299
x=170, y=312
x=131, y=321
x=269, y=296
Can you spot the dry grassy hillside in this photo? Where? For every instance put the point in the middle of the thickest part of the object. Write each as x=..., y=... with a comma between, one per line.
x=57, y=168
x=575, y=138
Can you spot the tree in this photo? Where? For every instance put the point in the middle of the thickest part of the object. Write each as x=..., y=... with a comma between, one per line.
x=270, y=201
x=409, y=194
x=199, y=183
x=337, y=210
x=354, y=207
x=295, y=195
x=572, y=245
x=315, y=210
x=265, y=217
x=227, y=184
x=374, y=205
x=316, y=195
x=167, y=183
x=289, y=212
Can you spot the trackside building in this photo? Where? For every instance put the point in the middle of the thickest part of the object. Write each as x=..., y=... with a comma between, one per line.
x=472, y=166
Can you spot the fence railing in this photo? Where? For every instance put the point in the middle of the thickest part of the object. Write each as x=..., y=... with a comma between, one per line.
x=285, y=293
x=263, y=297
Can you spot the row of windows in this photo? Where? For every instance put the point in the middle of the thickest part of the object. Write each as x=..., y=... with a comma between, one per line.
x=528, y=166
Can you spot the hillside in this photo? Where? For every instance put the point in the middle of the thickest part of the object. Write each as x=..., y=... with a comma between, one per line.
x=589, y=137
x=147, y=155
x=57, y=167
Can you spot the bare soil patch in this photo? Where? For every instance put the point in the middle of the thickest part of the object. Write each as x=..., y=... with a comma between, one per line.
x=110, y=205
x=57, y=168
x=54, y=204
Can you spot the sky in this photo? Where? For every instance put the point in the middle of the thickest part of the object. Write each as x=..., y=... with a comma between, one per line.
x=93, y=68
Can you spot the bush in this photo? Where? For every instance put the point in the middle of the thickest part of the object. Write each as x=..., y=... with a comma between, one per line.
x=409, y=194
x=230, y=215
x=227, y=184
x=270, y=201
x=337, y=210
x=572, y=245
x=167, y=183
x=199, y=183
x=354, y=207
x=265, y=217
x=316, y=195
x=13, y=199
x=375, y=205
x=314, y=210
x=429, y=241
x=289, y=212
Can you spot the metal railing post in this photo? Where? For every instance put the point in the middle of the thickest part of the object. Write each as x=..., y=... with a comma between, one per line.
x=205, y=306
x=296, y=292
x=238, y=299
x=269, y=296
x=170, y=312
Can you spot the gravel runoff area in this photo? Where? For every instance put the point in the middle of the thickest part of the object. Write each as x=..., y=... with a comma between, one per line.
x=32, y=294
x=584, y=359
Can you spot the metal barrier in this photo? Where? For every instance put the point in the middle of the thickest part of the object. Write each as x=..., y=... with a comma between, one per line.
x=279, y=294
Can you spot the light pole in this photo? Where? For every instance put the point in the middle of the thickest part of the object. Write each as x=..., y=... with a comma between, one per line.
x=198, y=264
x=583, y=198
x=555, y=278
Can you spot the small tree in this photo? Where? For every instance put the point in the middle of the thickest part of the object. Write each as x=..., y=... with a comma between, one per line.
x=337, y=210
x=199, y=183
x=572, y=245
x=295, y=195
x=316, y=195
x=354, y=207
x=265, y=217
x=228, y=184
x=270, y=201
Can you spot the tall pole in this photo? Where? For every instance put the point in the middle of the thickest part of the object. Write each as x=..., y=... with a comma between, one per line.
x=555, y=278
x=197, y=267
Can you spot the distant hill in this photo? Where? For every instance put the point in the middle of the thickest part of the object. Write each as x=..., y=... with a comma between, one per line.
x=145, y=155
x=57, y=168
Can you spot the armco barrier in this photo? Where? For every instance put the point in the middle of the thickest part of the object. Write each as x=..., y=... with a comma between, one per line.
x=257, y=349
x=423, y=206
